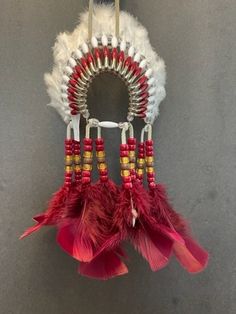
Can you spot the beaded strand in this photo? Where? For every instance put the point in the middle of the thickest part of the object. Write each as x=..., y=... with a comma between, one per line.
x=87, y=160
x=68, y=144
x=101, y=161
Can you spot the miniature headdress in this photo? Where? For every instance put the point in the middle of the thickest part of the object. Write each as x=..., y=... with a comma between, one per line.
x=93, y=219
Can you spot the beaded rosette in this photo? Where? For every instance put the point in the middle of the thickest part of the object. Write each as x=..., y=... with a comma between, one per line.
x=94, y=219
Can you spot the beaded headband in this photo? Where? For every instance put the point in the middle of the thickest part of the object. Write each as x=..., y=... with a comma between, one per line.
x=94, y=219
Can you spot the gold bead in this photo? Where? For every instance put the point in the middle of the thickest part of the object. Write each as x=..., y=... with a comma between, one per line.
x=77, y=159
x=141, y=161
x=149, y=159
x=102, y=166
x=69, y=169
x=88, y=154
x=77, y=168
x=132, y=153
x=125, y=173
x=87, y=167
x=150, y=169
x=100, y=154
x=124, y=160
x=132, y=165
x=140, y=171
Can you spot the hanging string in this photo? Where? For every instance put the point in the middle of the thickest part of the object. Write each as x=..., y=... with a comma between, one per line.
x=117, y=12
x=90, y=19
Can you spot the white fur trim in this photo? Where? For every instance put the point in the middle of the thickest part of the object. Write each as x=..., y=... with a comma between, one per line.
x=103, y=24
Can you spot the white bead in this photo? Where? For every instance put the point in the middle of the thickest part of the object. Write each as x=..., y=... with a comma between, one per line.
x=114, y=42
x=151, y=81
x=108, y=124
x=137, y=57
x=104, y=40
x=72, y=62
x=85, y=48
x=143, y=63
x=123, y=45
x=64, y=87
x=131, y=51
x=148, y=73
x=68, y=70
x=94, y=42
x=65, y=78
x=78, y=54
x=64, y=95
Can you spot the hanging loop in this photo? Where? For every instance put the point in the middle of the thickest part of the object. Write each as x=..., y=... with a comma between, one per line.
x=90, y=19
x=147, y=129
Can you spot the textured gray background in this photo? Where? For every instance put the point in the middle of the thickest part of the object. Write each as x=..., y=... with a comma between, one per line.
x=196, y=135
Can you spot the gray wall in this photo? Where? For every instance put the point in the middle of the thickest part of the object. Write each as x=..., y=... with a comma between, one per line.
x=196, y=136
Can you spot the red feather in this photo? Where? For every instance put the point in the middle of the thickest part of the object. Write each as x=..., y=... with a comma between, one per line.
x=188, y=252
x=54, y=212
x=87, y=223
x=105, y=266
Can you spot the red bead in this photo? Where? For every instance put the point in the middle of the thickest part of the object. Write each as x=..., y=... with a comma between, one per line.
x=150, y=174
x=150, y=153
x=71, y=98
x=126, y=179
x=144, y=87
x=77, y=151
x=121, y=56
x=99, y=148
x=149, y=142
x=89, y=58
x=88, y=141
x=71, y=90
x=149, y=148
x=86, y=180
x=114, y=53
x=140, y=145
x=128, y=185
x=106, y=52
x=152, y=185
x=76, y=75
x=88, y=148
x=124, y=147
x=133, y=67
x=86, y=173
x=144, y=95
x=131, y=140
x=124, y=153
x=99, y=141
x=150, y=179
x=128, y=61
x=84, y=62
x=132, y=147
x=68, y=152
x=97, y=53
x=72, y=82
x=138, y=72
x=142, y=115
x=103, y=172
x=68, y=141
x=74, y=112
x=103, y=178
x=73, y=106
x=142, y=80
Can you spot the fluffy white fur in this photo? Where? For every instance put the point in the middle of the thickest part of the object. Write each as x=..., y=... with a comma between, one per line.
x=103, y=23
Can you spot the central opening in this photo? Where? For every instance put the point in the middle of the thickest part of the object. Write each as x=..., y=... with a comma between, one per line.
x=108, y=98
